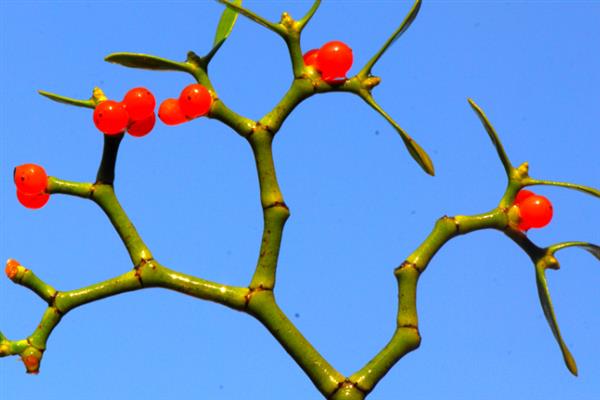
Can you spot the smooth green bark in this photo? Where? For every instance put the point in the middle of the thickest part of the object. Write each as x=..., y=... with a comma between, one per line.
x=258, y=299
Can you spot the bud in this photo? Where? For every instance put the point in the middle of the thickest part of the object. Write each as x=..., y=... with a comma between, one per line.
x=12, y=268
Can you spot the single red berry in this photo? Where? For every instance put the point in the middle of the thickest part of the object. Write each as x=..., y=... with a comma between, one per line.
x=334, y=60
x=310, y=57
x=30, y=178
x=170, y=112
x=142, y=127
x=111, y=117
x=139, y=103
x=33, y=201
x=535, y=211
x=12, y=268
x=522, y=195
x=195, y=101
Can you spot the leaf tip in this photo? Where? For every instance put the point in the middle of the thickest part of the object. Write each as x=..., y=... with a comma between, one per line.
x=473, y=104
x=571, y=364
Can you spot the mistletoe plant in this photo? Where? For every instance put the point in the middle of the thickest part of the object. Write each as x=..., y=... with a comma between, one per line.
x=314, y=72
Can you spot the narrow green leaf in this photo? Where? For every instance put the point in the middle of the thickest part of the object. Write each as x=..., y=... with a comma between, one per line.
x=544, y=294
x=226, y=23
x=309, y=14
x=252, y=16
x=581, y=188
x=90, y=103
x=590, y=247
x=416, y=151
x=146, y=61
x=410, y=17
x=494, y=136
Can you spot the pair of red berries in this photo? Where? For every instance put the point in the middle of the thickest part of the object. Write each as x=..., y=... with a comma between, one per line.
x=535, y=211
x=134, y=114
x=193, y=102
x=31, y=181
x=333, y=60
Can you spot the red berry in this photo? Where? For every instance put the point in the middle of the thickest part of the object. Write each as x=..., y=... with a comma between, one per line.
x=535, y=211
x=139, y=103
x=522, y=195
x=33, y=201
x=142, y=127
x=170, y=112
x=30, y=178
x=111, y=117
x=12, y=268
x=195, y=100
x=310, y=57
x=334, y=60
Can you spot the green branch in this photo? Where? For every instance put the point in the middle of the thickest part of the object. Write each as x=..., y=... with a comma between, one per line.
x=275, y=211
x=406, y=337
x=104, y=196
x=325, y=377
x=26, y=278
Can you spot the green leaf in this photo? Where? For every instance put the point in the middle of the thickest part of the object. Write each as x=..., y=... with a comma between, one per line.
x=408, y=20
x=232, y=5
x=581, y=188
x=309, y=14
x=494, y=136
x=226, y=23
x=416, y=151
x=146, y=61
x=590, y=247
x=544, y=294
x=90, y=103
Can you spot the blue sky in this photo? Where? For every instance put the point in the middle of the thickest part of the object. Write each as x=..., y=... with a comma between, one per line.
x=359, y=203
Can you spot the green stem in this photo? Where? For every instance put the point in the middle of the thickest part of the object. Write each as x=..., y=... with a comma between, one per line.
x=262, y=305
x=275, y=211
x=104, y=196
x=300, y=90
x=79, y=189
x=68, y=300
x=39, y=337
x=406, y=337
x=25, y=277
x=159, y=276
x=241, y=125
x=293, y=43
x=11, y=347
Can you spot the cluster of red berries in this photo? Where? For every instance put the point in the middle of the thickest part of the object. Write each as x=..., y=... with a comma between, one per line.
x=193, y=102
x=135, y=114
x=535, y=211
x=31, y=181
x=333, y=60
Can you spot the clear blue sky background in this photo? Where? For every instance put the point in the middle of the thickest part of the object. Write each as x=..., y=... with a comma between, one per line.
x=359, y=203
